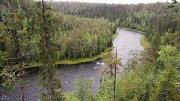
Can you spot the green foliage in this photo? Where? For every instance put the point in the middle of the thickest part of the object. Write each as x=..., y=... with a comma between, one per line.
x=51, y=88
x=142, y=81
x=165, y=89
x=83, y=30
x=174, y=39
x=145, y=43
x=87, y=38
x=133, y=86
x=169, y=56
x=13, y=35
x=111, y=62
x=10, y=79
x=105, y=91
x=69, y=96
x=1, y=60
x=166, y=82
x=73, y=37
x=153, y=19
x=82, y=90
x=83, y=60
x=135, y=62
x=172, y=6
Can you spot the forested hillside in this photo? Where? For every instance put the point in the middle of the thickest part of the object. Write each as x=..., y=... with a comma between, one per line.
x=33, y=33
x=142, y=17
x=152, y=75
x=160, y=24
x=74, y=37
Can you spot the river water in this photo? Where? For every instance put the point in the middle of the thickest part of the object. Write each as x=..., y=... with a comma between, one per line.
x=123, y=43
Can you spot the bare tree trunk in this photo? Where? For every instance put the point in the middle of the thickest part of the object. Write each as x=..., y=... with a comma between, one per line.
x=22, y=93
x=115, y=83
x=115, y=78
x=19, y=60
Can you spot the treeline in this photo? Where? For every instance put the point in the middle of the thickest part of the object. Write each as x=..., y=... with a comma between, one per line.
x=74, y=37
x=30, y=32
x=153, y=74
x=82, y=37
x=160, y=24
x=152, y=18
x=78, y=30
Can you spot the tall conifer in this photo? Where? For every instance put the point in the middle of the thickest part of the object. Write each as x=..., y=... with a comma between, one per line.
x=50, y=85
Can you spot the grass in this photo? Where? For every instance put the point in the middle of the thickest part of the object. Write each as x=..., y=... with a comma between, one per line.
x=84, y=60
x=33, y=65
x=115, y=35
x=72, y=61
x=145, y=43
x=79, y=60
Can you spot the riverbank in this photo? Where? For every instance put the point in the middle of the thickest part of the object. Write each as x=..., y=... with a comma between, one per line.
x=84, y=60
x=74, y=61
x=143, y=41
x=134, y=30
x=79, y=60
x=125, y=42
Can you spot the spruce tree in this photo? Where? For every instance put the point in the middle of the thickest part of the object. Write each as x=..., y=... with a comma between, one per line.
x=51, y=88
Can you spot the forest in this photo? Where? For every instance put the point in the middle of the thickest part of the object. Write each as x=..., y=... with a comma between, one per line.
x=43, y=33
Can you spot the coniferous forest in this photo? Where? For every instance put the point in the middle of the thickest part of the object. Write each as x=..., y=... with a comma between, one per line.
x=41, y=34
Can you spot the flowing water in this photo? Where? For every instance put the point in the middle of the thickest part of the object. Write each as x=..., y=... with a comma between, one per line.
x=123, y=43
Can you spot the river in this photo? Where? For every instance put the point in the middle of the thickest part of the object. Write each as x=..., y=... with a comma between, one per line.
x=124, y=42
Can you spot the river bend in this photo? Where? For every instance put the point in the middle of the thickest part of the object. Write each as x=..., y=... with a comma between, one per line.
x=125, y=42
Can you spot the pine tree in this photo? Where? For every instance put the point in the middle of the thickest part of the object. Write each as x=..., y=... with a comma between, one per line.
x=112, y=63
x=14, y=32
x=51, y=88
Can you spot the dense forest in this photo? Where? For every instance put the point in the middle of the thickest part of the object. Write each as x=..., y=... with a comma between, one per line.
x=47, y=32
